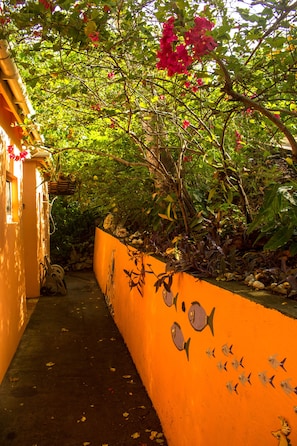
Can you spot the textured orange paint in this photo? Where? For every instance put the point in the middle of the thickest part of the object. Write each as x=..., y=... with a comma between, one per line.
x=234, y=385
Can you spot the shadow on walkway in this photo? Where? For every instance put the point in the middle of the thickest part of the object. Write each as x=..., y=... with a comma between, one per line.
x=72, y=381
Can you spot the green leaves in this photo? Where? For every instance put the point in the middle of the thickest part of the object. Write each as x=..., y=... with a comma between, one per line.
x=277, y=219
x=105, y=98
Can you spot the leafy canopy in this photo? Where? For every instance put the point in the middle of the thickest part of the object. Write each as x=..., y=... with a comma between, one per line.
x=201, y=136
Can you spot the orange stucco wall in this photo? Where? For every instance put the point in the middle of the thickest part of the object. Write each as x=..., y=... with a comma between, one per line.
x=12, y=276
x=222, y=386
x=36, y=225
x=24, y=238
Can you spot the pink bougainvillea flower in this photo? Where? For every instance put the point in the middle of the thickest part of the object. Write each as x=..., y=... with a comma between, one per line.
x=110, y=75
x=277, y=115
x=47, y=4
x=161, y=97
x=23, y=154
x=21, y=157
x=195, y=88
x=94, y=37
x=187, y=84
x=96, y=107
x=187, y=159
x=239, y=142
x=200, y=82
x=197, y=38
x=176, y=59
x=85, y=17
x=186, y=124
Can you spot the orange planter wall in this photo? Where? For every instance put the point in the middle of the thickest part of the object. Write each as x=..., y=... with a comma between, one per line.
x=234, y=382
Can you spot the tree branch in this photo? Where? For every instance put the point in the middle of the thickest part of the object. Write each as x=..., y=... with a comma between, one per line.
x=250, y=103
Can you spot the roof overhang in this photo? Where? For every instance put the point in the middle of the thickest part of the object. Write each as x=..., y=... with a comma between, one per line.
x=14, y=92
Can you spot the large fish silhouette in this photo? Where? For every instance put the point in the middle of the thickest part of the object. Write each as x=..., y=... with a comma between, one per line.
x=178, y=338
x=169, y=298
x=199, y=319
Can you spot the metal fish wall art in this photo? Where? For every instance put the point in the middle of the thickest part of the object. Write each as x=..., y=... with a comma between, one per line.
x=199, y=319
x=178, y=339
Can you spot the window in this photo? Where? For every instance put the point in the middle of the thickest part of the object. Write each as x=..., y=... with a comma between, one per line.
x=8, y=201
x=11, y=199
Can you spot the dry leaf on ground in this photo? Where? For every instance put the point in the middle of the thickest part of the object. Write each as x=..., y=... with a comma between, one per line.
x=50, y=364
x=82, y=420
x=13, y=380
x=135, y=435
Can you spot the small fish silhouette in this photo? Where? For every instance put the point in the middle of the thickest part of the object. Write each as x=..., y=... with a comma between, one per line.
x=178, y=339
x=245, y=379
x=236, y=364
x=231, y=387
x=169, y=298
x=275, y=363
x=211, y=352
x=227, y=350
x=265, y=380
x=287, y=387
x=222, y=366
x=199, y=319
x=283, y=433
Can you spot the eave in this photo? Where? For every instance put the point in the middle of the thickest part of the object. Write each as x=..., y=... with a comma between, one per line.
x=14, y=93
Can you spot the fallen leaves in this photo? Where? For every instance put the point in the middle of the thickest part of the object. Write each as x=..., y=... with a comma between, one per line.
x=158, y=437
x=135, y=435
x=82, y=419
x=13, y=379
x=50, y=364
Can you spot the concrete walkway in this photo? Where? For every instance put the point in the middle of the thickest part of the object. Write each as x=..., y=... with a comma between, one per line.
x=72, y=381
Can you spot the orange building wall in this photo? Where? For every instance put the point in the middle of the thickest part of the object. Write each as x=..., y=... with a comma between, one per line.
x=233, y=384
x=12, y=278
x=36, y=225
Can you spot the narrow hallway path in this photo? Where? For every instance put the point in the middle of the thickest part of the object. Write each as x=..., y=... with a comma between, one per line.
x=72, y=381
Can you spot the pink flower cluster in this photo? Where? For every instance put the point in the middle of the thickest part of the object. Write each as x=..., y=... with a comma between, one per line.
x=94, y=37
x=176, y=59
x=21, y=157
x=47, y=4
x=96, y=107
x=200, y=42
x=239, y=141
x=194, y=86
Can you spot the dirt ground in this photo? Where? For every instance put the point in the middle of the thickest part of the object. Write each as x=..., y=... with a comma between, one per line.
x=72, y=381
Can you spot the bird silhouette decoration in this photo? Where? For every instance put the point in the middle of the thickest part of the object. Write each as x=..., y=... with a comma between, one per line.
x=282, y=433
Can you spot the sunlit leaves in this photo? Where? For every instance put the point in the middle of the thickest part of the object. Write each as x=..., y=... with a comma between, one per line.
x=140, y=116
